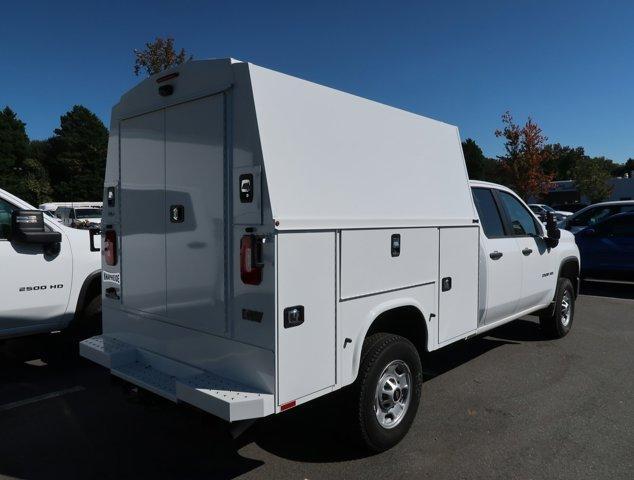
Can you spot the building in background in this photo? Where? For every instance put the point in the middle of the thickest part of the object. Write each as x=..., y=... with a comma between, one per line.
x=563, y=194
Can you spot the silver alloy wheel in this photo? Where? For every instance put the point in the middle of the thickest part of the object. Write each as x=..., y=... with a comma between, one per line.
x=566, y=306
x=392, y=397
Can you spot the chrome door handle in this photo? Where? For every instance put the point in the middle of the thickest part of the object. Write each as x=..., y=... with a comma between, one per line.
x=496, y=255
x=527, y=252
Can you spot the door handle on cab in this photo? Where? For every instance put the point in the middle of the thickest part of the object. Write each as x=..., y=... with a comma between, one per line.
x=527, y=252
x=496, y=255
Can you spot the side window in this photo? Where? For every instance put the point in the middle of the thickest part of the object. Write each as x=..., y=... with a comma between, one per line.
x=522, y=222
x=5, y=219
x=619, y=227
x=488, y=212
x=71, y=213
x=594, y=216
x=626, y=208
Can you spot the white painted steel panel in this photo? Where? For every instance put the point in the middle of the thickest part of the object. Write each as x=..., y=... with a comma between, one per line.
x=355, y=316
x=334, y=160
x=143, y=213
x=367, y=264
x=306, y=276
x=458, y=306
x=195, y=247
x=503, y=278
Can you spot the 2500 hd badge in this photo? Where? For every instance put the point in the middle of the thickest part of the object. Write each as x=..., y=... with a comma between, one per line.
x=112, y=277
x=36, y=288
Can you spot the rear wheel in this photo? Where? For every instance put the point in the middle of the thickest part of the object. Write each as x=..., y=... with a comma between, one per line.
x=558, y=323
x=387, y=390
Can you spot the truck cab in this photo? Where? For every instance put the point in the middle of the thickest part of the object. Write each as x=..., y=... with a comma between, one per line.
x=518, y=270
x=50, y=277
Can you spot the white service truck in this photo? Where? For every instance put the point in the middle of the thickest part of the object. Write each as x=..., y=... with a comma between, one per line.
x=49, y=274
x=268, y=240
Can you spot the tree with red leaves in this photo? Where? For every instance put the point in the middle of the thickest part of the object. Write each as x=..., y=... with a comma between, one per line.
x=525, y=155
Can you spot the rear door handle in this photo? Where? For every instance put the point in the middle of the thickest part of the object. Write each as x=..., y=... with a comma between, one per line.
x=496, y=255
x=527, y=252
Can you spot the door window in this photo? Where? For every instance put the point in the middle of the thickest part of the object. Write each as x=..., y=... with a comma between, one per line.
x=618, y=227
x=593, y=216
x=5, y=219
x=522, y=222
x=488, y=212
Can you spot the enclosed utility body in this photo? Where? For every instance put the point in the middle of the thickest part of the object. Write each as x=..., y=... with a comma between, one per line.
x=257, y=225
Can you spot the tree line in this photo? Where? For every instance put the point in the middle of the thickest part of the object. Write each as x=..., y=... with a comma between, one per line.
x=69, y=166
x=529, y=164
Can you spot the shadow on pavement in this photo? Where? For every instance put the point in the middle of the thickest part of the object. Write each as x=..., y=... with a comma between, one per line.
x=601, y=289
x=103, y=432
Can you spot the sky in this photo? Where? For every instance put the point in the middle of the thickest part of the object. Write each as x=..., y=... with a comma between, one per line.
x=569, y=65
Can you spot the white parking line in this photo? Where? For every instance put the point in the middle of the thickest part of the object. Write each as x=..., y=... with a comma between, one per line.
x=39, y=398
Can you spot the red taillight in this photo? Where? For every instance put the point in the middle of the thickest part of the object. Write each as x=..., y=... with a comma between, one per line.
x=250, y=266
x=110, y=247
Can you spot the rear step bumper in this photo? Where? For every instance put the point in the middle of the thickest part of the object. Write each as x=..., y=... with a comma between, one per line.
x=178, y=382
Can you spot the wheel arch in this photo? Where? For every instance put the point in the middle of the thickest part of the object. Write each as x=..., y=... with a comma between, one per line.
x=569, y=268
x=89, y=289
x=403, y=316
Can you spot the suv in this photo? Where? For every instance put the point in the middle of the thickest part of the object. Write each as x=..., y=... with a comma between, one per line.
x=79, y=217
x=593, y=214
x=50, y=278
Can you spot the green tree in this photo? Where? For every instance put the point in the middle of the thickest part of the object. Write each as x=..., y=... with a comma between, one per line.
x=623, y=169
x=591, y=177
x=525, y=155
x=561, y=160
x=158, y=55
x=77, y=156
x=474, y=158
x=14, y=145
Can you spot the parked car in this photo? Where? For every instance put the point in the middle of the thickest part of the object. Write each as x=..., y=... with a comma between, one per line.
x=607, y=248
x=50, y=275
x=569, y=207
x=79, y=217
x=542, y=211
x=594, y=214
x=326, y=242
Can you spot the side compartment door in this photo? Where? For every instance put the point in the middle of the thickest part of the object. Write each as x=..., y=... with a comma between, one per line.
x=502, y=275
x=306, y=313
x=458, y=292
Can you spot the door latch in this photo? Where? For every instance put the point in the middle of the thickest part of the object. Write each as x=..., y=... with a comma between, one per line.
x=293, y=316
x=177, y=214
x=446, y=284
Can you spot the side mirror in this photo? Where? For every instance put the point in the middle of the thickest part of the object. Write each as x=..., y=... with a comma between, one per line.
x=552, y=231
x=27, y=226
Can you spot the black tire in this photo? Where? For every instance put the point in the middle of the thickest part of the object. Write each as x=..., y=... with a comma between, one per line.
x=89, y=322
x=63, y=348
x=380, y=351
x=558, y=323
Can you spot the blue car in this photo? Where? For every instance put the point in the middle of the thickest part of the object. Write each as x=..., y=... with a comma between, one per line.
x=607, y=249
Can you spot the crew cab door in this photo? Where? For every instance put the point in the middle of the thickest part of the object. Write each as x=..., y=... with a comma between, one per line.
x=501, y=279
x=539, y=272
x=35, y=286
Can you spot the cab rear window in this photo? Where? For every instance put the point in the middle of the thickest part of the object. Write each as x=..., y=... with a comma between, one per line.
x=488, y=212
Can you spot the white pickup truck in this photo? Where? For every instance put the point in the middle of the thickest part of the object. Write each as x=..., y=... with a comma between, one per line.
x=49, y=274
x=268, y=240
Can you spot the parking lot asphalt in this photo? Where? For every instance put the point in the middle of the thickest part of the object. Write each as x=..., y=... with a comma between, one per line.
x=508, y=405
